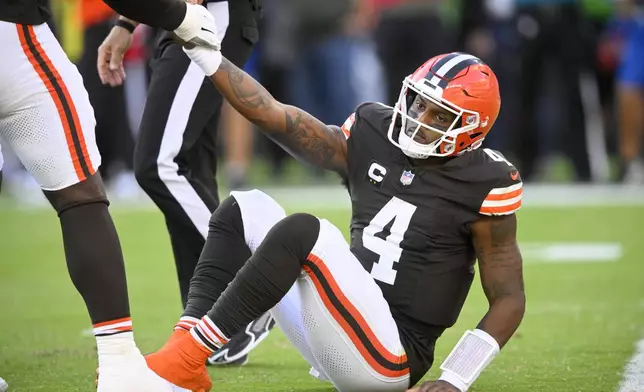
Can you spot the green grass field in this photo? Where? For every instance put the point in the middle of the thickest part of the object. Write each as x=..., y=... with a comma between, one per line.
x=581, y=324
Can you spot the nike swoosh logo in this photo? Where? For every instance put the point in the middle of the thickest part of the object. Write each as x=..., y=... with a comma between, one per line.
x=205, y=29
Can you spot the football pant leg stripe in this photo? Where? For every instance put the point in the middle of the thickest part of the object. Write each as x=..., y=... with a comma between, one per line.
x=352, y=322
x=59, y=93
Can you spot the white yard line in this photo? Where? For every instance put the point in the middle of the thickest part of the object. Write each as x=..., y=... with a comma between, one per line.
x=534, y=195
x=335, y=197
x=633, y=379
x=571, y=252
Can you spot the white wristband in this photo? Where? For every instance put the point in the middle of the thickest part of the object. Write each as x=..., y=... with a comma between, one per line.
x=470, y=356
x=207, y=59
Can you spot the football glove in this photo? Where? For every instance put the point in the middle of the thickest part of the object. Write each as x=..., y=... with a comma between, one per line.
x=198, y=28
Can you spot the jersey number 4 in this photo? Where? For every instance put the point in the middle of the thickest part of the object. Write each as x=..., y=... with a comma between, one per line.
x=395, y=216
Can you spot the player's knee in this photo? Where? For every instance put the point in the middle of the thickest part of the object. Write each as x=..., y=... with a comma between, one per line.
x=86, y=192
x=259, y=213
x=302, y=223
x=299, y=232
x=254, y=202
x=227, y=213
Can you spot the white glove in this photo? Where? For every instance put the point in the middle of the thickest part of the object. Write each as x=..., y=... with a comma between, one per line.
x=198, y=27
x=207, y=59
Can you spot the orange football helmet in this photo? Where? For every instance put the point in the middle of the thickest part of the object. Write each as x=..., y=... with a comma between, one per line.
x=463, y=85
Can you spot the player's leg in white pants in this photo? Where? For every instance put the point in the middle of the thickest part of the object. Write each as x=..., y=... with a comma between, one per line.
x=45, y=113
x=260, y=213
x=335, y=314
x=47, y=119
x=345, y=320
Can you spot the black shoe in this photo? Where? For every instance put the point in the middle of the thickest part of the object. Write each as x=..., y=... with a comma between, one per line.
x=235, y=352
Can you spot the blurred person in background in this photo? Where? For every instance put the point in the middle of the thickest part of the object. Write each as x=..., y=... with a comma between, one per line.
x=113, y=134
x=136, y=64
x=175, y=155
x=321, y=55
x=411, y=22
x=272, y=61
x=238, y=137
x=556, y=31
x=487, y=30
x=600, y=13
x=336, y=66
x=630, y=90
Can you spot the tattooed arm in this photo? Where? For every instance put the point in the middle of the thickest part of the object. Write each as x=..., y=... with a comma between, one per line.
x=500, y=265
x=302, y=135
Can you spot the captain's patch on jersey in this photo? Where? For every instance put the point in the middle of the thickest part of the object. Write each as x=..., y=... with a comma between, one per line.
x=376, y=173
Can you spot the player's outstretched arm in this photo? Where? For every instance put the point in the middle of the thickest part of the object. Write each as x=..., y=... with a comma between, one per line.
x=302, y=135
x=501, y=269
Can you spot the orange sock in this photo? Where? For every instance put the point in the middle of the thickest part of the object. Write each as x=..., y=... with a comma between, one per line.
x=186, y=322
x=208, y=335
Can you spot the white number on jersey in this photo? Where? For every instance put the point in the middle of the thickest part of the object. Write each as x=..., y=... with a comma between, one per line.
x=496, y=157
x=388, y=250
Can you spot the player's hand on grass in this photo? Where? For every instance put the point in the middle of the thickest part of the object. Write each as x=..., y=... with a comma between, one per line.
x=435, y=386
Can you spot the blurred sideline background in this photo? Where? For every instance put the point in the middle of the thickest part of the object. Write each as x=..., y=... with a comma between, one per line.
x=565, y=115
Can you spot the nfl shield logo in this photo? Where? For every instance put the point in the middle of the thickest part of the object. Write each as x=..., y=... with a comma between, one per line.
x=407, y=177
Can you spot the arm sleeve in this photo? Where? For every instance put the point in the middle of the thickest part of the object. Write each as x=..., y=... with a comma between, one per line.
x=166, y=14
